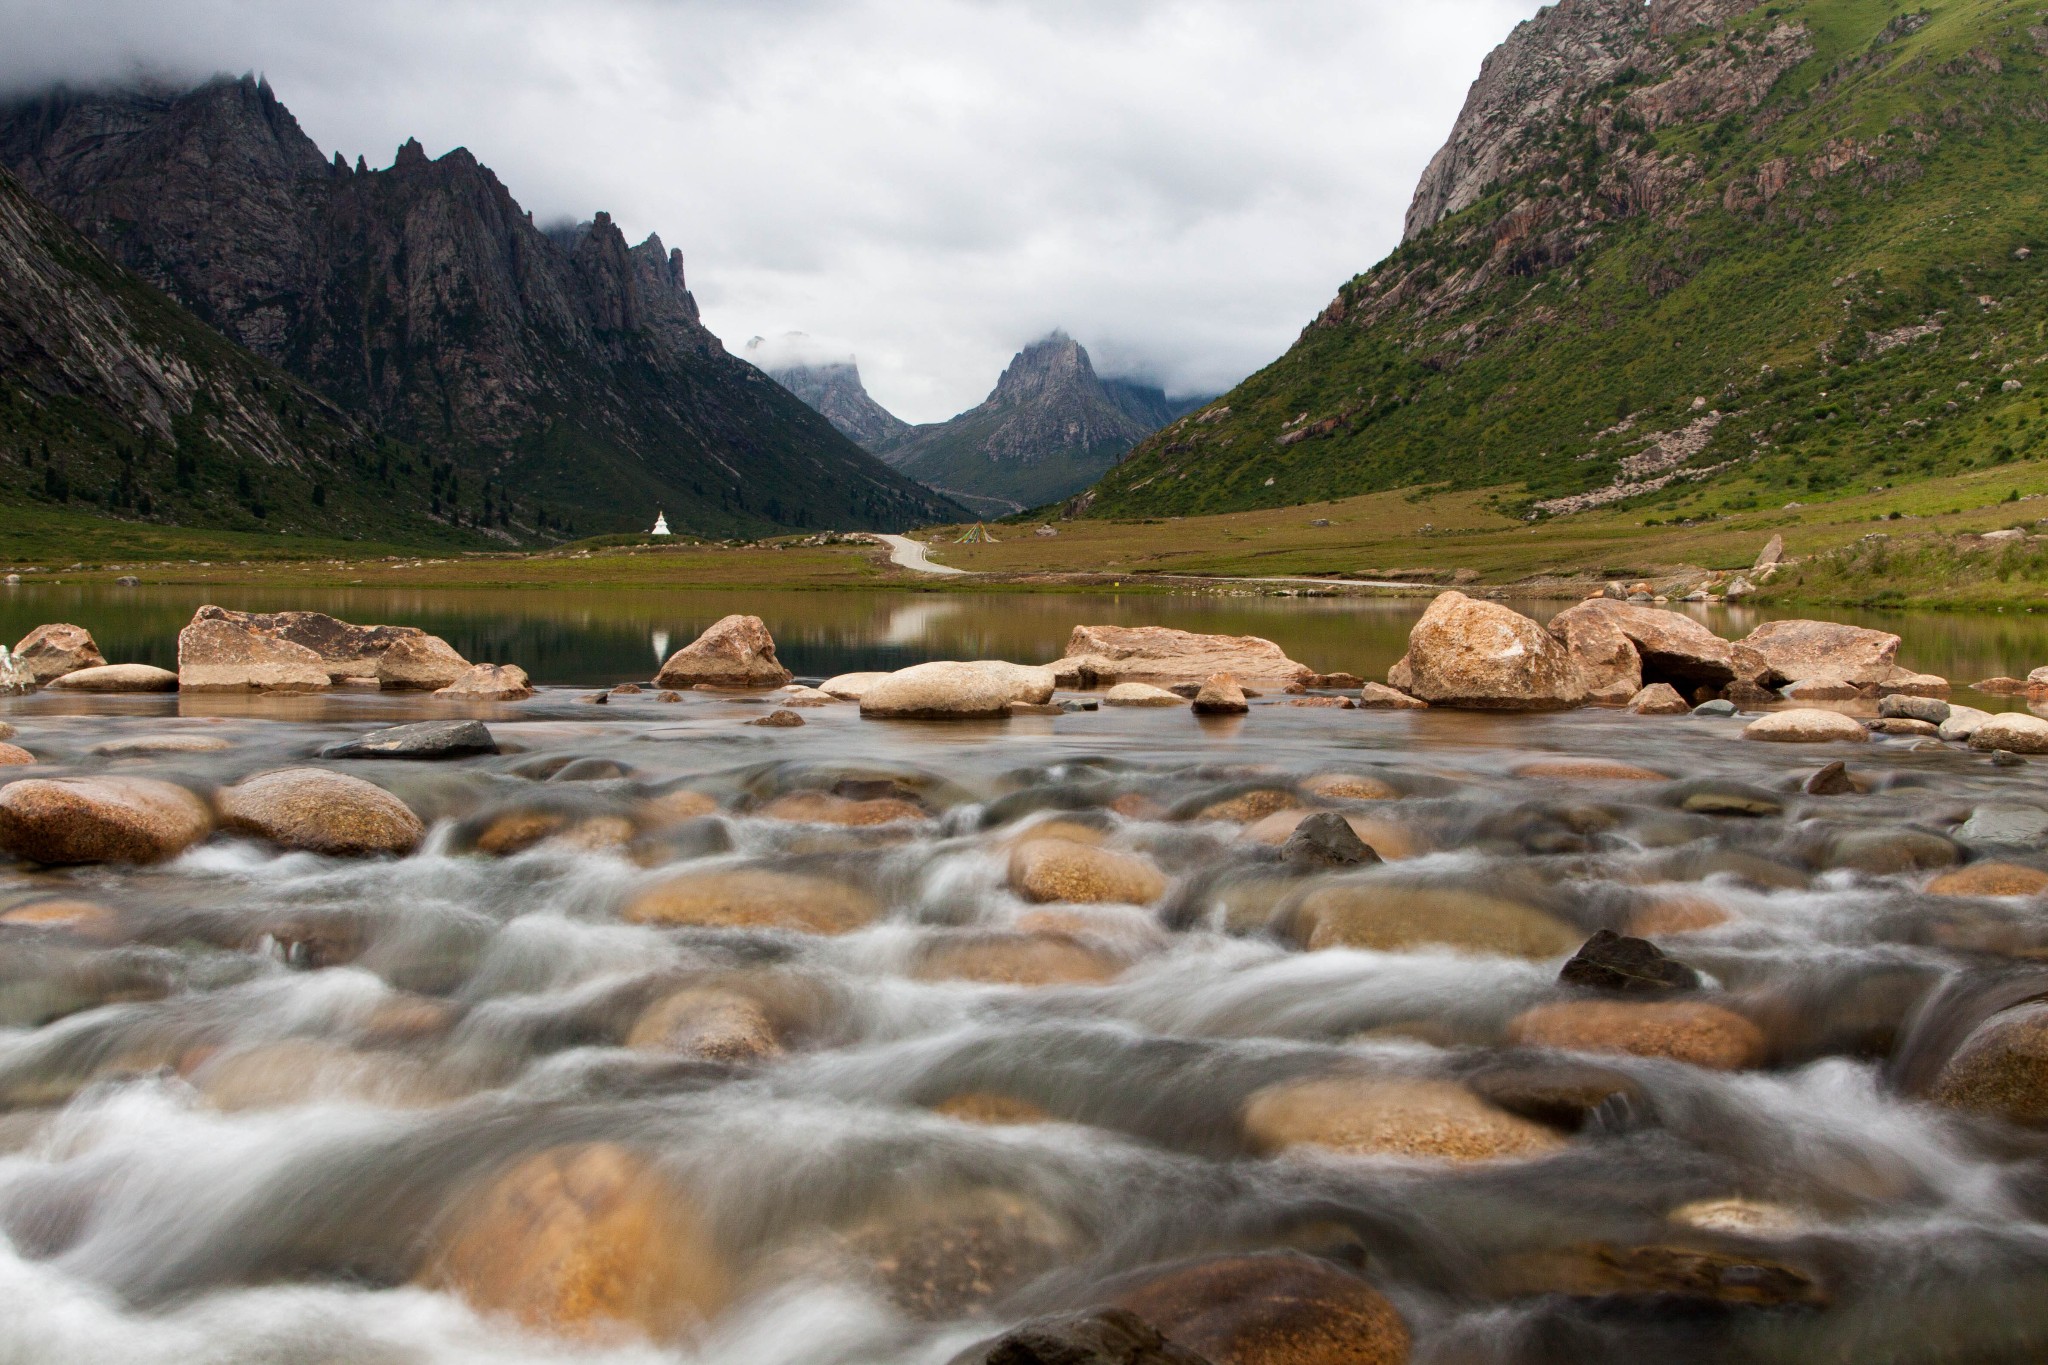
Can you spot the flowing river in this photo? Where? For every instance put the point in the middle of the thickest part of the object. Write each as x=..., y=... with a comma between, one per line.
x=679, y=1038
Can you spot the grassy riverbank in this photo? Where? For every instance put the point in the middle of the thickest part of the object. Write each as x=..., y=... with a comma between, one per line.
x=1416, y=536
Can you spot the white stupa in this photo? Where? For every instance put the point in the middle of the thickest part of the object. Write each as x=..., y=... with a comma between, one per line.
x=660, y=524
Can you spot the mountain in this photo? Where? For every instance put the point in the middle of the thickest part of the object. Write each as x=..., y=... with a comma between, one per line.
x=831, y=386
x=571, y=371
x=1694, y=257
x=114, y=399
x=1050, y=428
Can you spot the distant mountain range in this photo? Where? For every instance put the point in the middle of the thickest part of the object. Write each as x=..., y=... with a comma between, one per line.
x=1689, y=257
x=540, y=382
x=1051, y=427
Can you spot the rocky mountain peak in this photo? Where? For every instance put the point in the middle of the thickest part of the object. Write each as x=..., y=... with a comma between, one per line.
x=831, y=385
x=1046, y=368
x=410, y=155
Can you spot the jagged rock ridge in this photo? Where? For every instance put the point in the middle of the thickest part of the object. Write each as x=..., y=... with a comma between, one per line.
x=1050, y=428
x=834, y=390
x=423, y=299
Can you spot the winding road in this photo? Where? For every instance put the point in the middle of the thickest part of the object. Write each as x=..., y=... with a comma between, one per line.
x=909, y=554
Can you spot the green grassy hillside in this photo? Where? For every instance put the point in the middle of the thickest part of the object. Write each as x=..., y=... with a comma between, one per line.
x=1842, y=287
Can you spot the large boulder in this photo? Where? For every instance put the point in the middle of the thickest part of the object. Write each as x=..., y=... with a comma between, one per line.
x=52, y=651
x=754, y=898
x=100, y=820
x=1099, y=656
x=2001, y=1068
x=736, y=652
x=1221, y=696
x=1390, y=1116
x=489, y=682
x=345, y=650
x=117, y=678
x=1671, y=646
x=321, y=812
x=851, y=686
x=2015, y=732
x=1679, y=1030
x=1481, y=655
x=1608, y=666
x=428, y=739
x=1780, y=652
x=955, y=691
x=1278, y=1308
x=1069, y=871
x=420, y=663
x=220, y=655
x=581, y=1241
x=1807, y=725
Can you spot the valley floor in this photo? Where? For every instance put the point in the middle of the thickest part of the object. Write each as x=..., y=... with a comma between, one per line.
x=1411, y=541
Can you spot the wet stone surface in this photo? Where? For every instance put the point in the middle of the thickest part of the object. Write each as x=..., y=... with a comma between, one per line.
x=1298, y=1035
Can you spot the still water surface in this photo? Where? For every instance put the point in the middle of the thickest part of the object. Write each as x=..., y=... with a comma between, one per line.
x=570, y=637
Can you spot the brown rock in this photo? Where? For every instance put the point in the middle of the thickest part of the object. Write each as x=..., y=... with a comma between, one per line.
x=100, y=820
x=586, y=1241
x=1350, y=787
x=1602, y=1270
x=1322, y=703
x=850, y=686
x=1904, y=682
x=218, y=655
x=147, y=746
x=117, y=678
x=1831, y=780
x=1221, y=696
x=420, y=663
x=1807, y=725
x=1391, y=841
x=1064, y=870
x=1379, y=697
x=52, y=651
x=1801, y=651
x=2001, y=1068
x=1676, y=914
x=1481, y=655
x=1033, y=708
x=1824, y=689
x=1588, y=770
x=1390, y=1116
x=1658, y=699
x=84, y=919
x=782, y=718
x=1141, y=694
x=346, y=651
x=1606, y=660
x=825, y=808
x=321, y=812
x=1672, y=646
x=944, y=1257
x=489, y=682
x=1279, y=1308
x=2014, y=732
x=716, y=1025
x=982, y=1106
x=755, y=898
x=2001, y=687
x=674, y=807
x=1990, y=879
x=1903, y=725
x=955, y=691
x=1013, y=960
x=1246, y=807
x=736, y=652
x=1394, y=918
x=1682, y=1030
x=1104, y=655
x=1560, y=1093
x=14, y=756
x=300, y=1071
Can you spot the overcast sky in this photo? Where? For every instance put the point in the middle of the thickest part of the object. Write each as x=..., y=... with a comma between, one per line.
x=928, y=184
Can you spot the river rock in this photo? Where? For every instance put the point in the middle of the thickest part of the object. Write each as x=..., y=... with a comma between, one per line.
x=1105, y=655
x=2001, y=686
x=1276, y=1308
x=489, y=682
x=2001, y=1068
x=781, y=718
x=1830, y=780
x=1005, y=959
x=299, y=1071
x=2015, y=732
x=345, y=651
x=100, y=820
x=1390, y=1116
x=1221, y=696
x=1379, y=697
x=1325, y=840
x=1559, y=1092
x=429, y=739
x=52, y=651
x=1047, y=869
x=1681, y=1030
x=1141, y=694
x=1605, y=658
x=420, y=663
x=850, y=686
x=1394, y=918
x=1904, y=706
x=220, y=655
x=707, y=1022
x=320, y=812
x=946, y=1256
x=1351, y=787
x=1629, y=966
x=1962, y=722
x=828, y=808
x=116, y=678
x=755, y=898
x=1660, y=1275
x=1806, y=725
x=1823, y=689
x=1103, y=1336
x=14, y=756
x=1659, y=699
x=581, y=1241
x=1990, y=879
x=1883, y=852
x=1670, y=646
x=955, y=691
x=1481, y=655
x=7, y=731
x=736, y=652
x=1903, y=682
x=1781, y=652
x=1588, y=770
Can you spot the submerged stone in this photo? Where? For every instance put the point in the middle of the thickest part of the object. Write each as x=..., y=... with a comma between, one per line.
x=425, y=740
x=1630, y=966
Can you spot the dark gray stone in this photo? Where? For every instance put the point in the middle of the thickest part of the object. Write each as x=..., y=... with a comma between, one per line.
x=1933, y=710
x=1714, y=708
x=428, y=739
x=1107, y=1336
x=1326, y=839
x=1629, y=966
x=1833, y=780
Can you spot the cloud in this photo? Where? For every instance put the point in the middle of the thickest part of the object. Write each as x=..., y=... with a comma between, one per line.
x=1180, y=184
x=794, y=349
